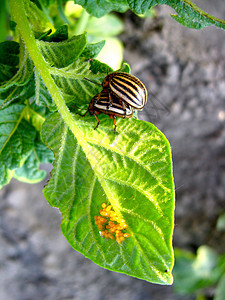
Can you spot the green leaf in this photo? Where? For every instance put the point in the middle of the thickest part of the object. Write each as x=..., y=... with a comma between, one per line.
x=30, y=172
x=130, y=170
x=59, y=35
x=42, y=95
x=62, y=54
x=71, y=83
x=74, y=88
x=92, y=50
x=16, y=140
x=195, y=272
x=69, y=72
x=19, y=85
x=102, y=7
x=98, y=67
x=35, y=115
x=220, y=289
x=37, y=19
x=188, y=14
x=9, y=53
x=9, y=60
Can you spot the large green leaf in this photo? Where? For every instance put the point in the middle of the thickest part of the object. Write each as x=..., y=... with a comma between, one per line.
x=188, y=14
x=130, y=170
x=102, y=7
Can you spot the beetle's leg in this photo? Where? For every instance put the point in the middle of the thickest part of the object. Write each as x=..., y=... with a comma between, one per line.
x=96, y=101
x=110, y=101
x=97, y=121
x=123, y=105
x=114, y=123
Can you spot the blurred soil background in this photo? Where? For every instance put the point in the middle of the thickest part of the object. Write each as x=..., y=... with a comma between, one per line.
x=185, y=70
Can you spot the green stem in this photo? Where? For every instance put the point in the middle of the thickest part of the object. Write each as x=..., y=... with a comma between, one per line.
x=3, y=22
x=27, y=35
x=46, y=12
x=61, y=12
x=29, y=40
x=82, y=23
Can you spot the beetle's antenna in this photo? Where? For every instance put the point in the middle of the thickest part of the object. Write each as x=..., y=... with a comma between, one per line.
x=91, y=81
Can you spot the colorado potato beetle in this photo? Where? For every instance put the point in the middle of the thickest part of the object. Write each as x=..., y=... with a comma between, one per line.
x=128, y=88
x=112, y=107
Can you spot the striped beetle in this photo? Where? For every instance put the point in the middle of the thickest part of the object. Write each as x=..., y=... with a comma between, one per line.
x=127, y=87
x=102, y=103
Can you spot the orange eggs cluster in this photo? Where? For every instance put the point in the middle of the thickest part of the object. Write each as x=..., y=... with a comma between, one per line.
x=110, y=225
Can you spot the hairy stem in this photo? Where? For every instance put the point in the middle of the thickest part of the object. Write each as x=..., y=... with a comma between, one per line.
x=82, y=23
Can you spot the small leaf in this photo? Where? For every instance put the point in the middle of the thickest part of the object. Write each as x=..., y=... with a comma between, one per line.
x=98, y=67
x=30, y=172
x=16, y=140
x=61, y=34
x=92, y=50
x=19, y=84
x=130, y=170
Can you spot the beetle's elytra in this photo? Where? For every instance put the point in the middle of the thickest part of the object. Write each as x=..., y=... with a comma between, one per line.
x=127, y=87
x=109, y=105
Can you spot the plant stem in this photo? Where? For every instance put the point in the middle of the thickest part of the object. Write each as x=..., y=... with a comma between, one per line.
x=61, y=12
x=82, y=23
x=29, y=40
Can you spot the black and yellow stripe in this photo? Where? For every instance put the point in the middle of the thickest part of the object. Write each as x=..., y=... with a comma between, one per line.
x=128, y=88
x=102, y=104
